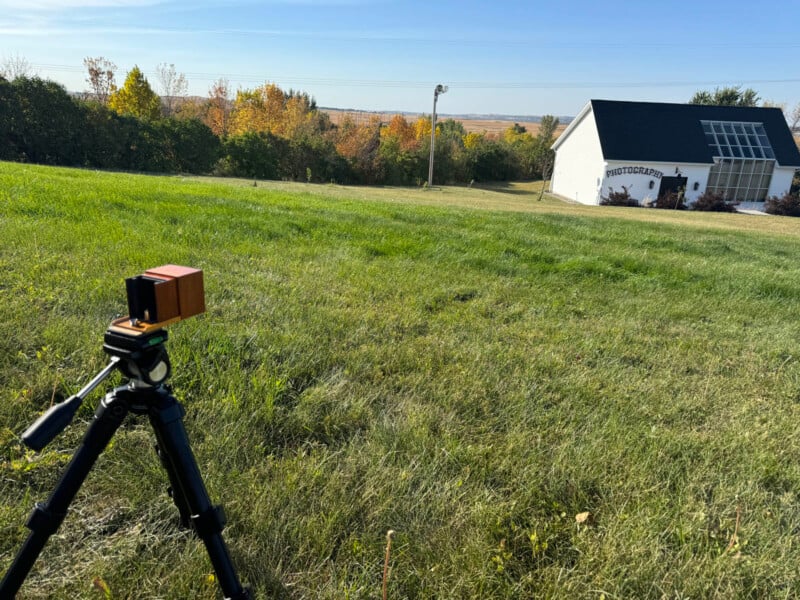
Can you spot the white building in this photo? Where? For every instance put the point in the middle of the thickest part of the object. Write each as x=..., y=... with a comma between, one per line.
x=746, y=154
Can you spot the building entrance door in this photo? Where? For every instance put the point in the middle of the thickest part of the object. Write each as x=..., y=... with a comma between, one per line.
x=672, y=184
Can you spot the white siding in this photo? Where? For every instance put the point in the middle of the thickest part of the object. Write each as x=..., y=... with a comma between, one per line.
x=696, y=174
x=636, y=176
x=781, y=181
x=579, y=164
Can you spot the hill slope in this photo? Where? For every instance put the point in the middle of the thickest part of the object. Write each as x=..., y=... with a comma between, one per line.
x=547, y=401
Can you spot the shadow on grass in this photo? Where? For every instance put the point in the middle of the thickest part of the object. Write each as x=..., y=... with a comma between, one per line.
x=530, y=188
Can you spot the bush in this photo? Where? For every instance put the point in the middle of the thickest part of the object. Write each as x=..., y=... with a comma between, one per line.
x=713, y=202
x=10, y=118
x=50, y=124
x=787, y=205
x=189, y=145
x=670, y=200
x=252, y=155
x=622, y=198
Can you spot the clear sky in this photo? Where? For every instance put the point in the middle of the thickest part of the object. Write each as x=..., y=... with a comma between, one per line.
x=500, y=57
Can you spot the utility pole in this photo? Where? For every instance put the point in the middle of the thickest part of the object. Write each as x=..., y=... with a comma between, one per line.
x=440, y=89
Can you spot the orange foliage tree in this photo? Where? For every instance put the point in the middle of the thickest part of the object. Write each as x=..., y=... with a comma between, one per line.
x=360, y=145
x=218, y=108
x=403, y=132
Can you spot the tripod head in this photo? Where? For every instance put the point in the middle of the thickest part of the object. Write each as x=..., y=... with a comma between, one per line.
x=157, y=298
x=142, y=358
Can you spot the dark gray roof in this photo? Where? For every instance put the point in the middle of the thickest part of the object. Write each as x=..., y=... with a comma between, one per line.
x=653, y=131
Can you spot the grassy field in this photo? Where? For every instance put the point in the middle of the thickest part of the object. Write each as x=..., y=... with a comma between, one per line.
x=540, y=399
x=490, y=126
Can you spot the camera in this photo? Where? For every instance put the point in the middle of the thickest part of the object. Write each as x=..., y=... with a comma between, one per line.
x=161, y=296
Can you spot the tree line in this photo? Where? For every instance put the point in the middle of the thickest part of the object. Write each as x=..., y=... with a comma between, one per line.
x=265, y=133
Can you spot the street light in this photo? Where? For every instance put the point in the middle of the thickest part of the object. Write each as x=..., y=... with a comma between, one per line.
x=439, y=89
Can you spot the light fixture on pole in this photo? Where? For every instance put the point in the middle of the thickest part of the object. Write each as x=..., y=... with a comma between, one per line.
x=439, y=89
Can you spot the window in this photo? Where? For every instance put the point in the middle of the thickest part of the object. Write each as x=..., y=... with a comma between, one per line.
x=743, y=160
x=741, y=180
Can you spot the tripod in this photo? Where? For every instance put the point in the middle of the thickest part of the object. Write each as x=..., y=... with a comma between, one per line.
x=143, y=360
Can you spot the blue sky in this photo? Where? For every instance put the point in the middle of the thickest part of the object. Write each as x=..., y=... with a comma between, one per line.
x=502, y=57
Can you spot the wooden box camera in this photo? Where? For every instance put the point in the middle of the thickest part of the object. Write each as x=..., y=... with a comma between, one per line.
x=162, y=296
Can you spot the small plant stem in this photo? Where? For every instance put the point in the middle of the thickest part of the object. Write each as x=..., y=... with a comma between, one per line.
x=734, y=537
x=389, y=535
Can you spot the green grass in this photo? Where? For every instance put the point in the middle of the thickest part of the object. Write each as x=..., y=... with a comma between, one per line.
x=471, y=368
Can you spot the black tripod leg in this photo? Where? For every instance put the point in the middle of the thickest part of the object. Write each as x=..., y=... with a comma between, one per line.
x=174, y=490
x=48, y=516
x=166, y=417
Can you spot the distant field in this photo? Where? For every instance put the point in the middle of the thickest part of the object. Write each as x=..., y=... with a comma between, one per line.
x=471, y=125
x=541, y=399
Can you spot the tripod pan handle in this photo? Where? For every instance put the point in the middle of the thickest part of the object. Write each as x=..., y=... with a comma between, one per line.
x=51, y=423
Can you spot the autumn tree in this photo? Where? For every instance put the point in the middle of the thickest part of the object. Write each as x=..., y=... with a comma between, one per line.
x=403, y=153
x=268, y=109
x=422, y=128
x=136, y=97
x=360, y=145
x=260, y=109
x=173, y=86
x=296, y=118
x=726, y=96
x=100, y=77
x=218, y=108
x=401, y=130
x=472, y=139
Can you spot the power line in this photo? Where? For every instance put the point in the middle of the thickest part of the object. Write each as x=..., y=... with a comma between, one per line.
x=486, y=85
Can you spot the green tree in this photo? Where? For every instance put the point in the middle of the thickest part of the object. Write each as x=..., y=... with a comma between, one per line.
x=253, y=154
x=545, y=157
x=727, y=96
x=547, y=128
x=488, y=159
x=107, y=137
x=50, y=126
x=9, y=120
x=136, y=97
x=190, y=146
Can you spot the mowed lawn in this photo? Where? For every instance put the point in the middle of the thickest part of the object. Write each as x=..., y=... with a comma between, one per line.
x=540, y=399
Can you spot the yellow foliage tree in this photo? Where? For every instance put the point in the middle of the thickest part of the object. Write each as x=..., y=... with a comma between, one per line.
x=249, y=112
x=294, y=117
x=136, y=97
x=422, y=128
x=262, y=109
x=472, y=140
